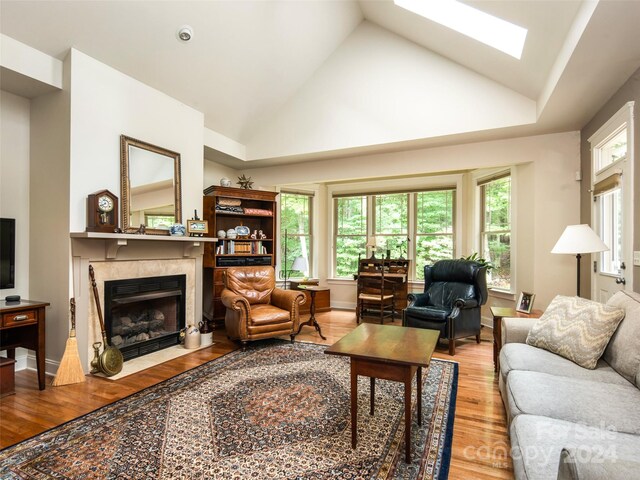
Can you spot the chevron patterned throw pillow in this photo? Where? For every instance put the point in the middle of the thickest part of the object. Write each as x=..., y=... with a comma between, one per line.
x=576, y=328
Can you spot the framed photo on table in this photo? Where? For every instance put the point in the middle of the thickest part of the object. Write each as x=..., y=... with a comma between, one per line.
x=525, y=302
x=197, y=228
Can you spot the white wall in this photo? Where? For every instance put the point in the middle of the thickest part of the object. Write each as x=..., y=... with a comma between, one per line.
x=105, y=104
x=14, y=189
x=75, y=150
x=384, y=89
x=546, y=199
x=14, y=180
x=49, y=214
x=213, y=172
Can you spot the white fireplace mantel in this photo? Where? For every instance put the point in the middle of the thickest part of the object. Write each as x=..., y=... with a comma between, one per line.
x=114, y=241
x=119, y=256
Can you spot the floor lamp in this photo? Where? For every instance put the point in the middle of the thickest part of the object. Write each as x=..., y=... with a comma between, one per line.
x=579, y=239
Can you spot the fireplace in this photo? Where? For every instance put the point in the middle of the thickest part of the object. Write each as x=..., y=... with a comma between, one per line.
x=143, y=315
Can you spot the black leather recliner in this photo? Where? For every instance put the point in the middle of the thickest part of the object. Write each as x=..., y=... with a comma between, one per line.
x=454, y=291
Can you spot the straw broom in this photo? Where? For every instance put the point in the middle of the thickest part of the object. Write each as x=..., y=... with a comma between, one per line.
x=70, y=369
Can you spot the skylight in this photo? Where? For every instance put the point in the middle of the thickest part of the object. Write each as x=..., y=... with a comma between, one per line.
x=481, y=26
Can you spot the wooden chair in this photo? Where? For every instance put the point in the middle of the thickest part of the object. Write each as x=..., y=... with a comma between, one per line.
x=375, y=293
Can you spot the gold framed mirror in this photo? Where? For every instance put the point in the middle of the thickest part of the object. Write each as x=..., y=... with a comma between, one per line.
x=150, y=187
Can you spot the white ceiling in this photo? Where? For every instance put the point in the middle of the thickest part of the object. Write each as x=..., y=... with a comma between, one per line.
x=248, y=59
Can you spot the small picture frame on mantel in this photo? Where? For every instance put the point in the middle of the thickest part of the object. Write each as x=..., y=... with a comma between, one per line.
x=525, y=302
x=197, y=228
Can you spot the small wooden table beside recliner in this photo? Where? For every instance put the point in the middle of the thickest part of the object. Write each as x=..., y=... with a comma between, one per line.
x=256, y=308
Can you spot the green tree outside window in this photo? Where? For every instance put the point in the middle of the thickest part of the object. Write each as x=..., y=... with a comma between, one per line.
x=496, y=231
x=295, y=228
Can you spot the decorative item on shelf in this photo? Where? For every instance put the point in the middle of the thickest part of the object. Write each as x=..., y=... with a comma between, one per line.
x=177, y=230
x=142, y=229
x=102, y=212
x=261, y=235
x=197, y=228
x=195, y=215
x=372, y=243
x=225, y=182
x=117, y=230
x=222, y=234
x=245, y=182
x=254, y=235
x=242, y=231
x=578, y=239
x=525, y=302
x=231, y=234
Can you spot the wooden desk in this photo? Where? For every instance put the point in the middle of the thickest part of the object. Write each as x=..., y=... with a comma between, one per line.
x=395, y=270
x=23, y=326
x=391, y=353
x=498, y=314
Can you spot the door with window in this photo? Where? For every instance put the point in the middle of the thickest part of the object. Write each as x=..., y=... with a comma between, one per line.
x=612, y=207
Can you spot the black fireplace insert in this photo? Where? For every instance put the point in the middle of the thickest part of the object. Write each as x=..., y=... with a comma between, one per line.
x=143, y=315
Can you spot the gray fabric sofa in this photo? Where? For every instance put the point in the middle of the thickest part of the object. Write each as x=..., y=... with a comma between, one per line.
x=568, y=422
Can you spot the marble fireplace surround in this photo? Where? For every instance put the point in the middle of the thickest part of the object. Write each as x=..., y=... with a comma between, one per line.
x=119, y=257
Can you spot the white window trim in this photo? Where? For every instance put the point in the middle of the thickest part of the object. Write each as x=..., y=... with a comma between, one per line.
x=389, y=186
x=478, y=178
x=313, y=191
x=623, y=118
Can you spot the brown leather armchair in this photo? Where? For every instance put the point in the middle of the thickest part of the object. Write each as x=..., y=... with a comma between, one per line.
x=256, y=308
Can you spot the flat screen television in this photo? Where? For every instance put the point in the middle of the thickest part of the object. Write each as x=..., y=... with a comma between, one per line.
x=7, y=253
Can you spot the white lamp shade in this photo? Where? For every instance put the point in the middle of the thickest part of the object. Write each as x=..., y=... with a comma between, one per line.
x=579, y=239
x=300, y=264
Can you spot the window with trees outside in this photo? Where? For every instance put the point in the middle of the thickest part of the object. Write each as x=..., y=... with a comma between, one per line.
x=350, y=233
x=434, y=228
x=391, y=222
x=495, y=224
x=295, y=231
x=426, y=235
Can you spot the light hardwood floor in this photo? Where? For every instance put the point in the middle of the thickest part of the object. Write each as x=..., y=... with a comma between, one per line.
x=480, y=442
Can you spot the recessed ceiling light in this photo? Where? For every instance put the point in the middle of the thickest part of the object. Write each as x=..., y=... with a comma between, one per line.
x=469, y=21
x=185, y=33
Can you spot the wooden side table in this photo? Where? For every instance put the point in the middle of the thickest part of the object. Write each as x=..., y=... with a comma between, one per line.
x=323, y=298
x=23, y=326
x=498, y=314
x=312, y=322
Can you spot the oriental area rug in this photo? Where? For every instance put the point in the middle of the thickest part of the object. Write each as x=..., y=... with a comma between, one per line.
x=276, y=410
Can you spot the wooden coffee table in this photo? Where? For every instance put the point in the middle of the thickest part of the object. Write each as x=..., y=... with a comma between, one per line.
x=392, y=353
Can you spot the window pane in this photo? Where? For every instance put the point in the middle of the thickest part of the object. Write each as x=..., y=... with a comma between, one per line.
x=295, y=213
x=391, y=213
x=497, y=205
x=611, y=231
x=297, y=245
x=430, y=249
x=295, y=231
x=613, y=150
x=435, y=212
x=497, y=250
x=395, y=244
x=352, y=216
x=347, y=251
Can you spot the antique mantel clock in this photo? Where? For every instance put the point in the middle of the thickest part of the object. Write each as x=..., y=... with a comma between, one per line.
x=102, y=212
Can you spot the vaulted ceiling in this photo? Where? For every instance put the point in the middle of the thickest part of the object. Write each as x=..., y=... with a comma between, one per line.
x=291, y=80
